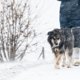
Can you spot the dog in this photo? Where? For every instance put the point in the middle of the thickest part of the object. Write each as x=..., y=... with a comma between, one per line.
x=62, y=43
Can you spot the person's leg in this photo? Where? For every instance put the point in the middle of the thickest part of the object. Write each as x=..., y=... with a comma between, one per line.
x=76, y=56
x=63, y=21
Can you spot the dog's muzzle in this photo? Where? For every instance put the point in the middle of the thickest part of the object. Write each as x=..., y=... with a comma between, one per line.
x=55, y=47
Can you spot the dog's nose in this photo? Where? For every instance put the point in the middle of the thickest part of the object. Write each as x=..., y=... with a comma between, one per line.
x=56, y=43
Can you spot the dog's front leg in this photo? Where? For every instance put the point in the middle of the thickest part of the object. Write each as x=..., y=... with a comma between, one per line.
x=69, y=62
x=63, y=60
x=68, y=56
x=57, y=61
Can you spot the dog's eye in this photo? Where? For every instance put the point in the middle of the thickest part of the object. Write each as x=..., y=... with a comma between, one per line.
x=54, y=38
x=58, y=38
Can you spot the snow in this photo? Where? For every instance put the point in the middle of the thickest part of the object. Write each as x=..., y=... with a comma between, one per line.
x=40, y=70
x=30, y=68
x=46, y=72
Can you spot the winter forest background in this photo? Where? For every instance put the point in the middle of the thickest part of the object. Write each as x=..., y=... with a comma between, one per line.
x=24, y=51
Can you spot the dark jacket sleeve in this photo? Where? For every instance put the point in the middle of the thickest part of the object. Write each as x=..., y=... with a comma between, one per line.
x=79, y=2
x=64, y=0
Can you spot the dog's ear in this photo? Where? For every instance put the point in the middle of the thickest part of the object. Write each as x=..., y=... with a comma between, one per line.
x=50, y=33
x=60, y=30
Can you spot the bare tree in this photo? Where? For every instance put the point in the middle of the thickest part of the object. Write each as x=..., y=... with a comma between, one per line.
x=15, y=29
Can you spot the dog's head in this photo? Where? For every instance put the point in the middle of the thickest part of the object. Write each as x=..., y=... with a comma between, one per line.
x=55, y=37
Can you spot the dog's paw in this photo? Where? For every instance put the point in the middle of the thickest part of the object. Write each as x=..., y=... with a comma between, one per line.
x=63, y=65
x=68, y=66
x=57, y=67
x=76, y=64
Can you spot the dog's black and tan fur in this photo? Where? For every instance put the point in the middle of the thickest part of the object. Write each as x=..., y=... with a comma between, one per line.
x=61, y=42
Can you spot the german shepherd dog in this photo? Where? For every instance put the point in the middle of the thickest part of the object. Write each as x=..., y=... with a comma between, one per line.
x=62, y=43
